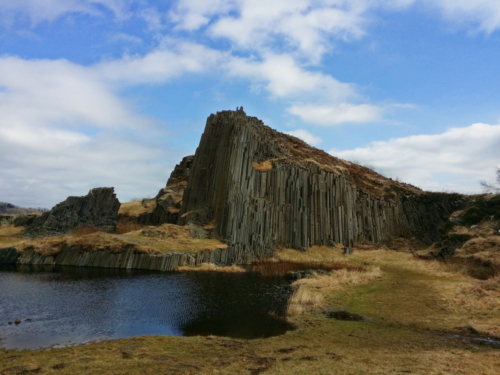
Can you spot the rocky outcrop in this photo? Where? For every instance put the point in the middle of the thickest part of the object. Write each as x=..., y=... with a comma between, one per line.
x=263, y=189
x=181, y=171
x=76, y=256
x=169, y=199
x=98, y=209
x=6, y=219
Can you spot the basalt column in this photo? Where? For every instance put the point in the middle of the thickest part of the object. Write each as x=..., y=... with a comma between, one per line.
x=262, y=189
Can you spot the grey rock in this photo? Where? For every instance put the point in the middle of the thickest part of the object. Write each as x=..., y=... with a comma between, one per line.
x=165, y=211
x=98, y=209
x=197, y=231
x=347, y=250
x=261, y=191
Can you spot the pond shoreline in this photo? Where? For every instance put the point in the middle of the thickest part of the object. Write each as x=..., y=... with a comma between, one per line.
x=75, y=256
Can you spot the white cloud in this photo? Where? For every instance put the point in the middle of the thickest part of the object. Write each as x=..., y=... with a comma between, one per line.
x=282, y=77
x=171, y=59
x=484, y=13
x=335, y=114
x=306, y=136
x=45, y=92
x=125, y=38
x=456, y=159
x=62, y=127
x=304, y=25
x=49, y=10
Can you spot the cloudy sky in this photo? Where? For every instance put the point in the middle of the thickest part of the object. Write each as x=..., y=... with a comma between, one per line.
x=116, y=92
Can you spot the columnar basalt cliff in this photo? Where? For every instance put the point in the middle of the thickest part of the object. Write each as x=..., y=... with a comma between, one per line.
x=262, y=189
x=99, y=209
x=129, y=259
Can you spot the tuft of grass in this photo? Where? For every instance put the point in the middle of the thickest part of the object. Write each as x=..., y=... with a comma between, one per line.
x=126, y=226
x=263, y=167
x=472, y=266
x=270, y=267
x=210, y=267
x=136, y=208
x=302, y=299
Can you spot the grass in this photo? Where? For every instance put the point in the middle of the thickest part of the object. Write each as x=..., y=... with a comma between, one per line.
x=136, y=208
x=263, y=167
x=152, y=240
x=472, y=266
x=210, y=267
x=8, y=235
x=274, y=268
x=169, y=238
x=414, y=307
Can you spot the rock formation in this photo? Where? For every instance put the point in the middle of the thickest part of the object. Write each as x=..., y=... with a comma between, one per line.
x=99, y=209
x=74, y=256
x=169, y=199
x=262, y=189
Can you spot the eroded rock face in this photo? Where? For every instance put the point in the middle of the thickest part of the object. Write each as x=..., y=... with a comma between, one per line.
x=263, y=189
x=99, y=209
x=169, y=199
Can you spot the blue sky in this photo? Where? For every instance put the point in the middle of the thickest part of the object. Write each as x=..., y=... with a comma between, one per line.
x=116, y=92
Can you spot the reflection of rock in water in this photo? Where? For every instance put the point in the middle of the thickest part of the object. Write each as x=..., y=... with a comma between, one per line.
x=260, y=315
x=77, y=305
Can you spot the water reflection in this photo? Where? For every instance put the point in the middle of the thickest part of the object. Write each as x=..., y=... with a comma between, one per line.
x=75, y=305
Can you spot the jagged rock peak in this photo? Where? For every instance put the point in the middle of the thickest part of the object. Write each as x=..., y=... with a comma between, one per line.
x=181, y=171
x=284, y=148
x=99, y=209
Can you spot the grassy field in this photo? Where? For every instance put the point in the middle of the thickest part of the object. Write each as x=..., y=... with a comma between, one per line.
x=153, y=240
x=413, y=308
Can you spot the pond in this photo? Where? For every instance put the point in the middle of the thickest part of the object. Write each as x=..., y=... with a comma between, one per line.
x=70, y=305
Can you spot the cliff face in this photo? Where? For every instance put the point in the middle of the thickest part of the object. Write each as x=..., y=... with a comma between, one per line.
x=262, y=189
x=169, y=199
x=99, y=208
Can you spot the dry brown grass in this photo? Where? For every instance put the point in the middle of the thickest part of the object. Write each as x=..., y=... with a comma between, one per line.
x=84, y=230
x=125, y=226
x=263, y=167
x=8, y=235
x=91, y=242
x=275, y=267
x=410, y=332
x=339, y=279
x=152, y=240
x=304, y=299
x=136, y=208
x=485, y=248
x=169, y=238
x=210, y=267
x=10, y=230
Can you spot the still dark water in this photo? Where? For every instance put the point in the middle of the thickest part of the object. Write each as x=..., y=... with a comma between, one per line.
x=70, y=305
